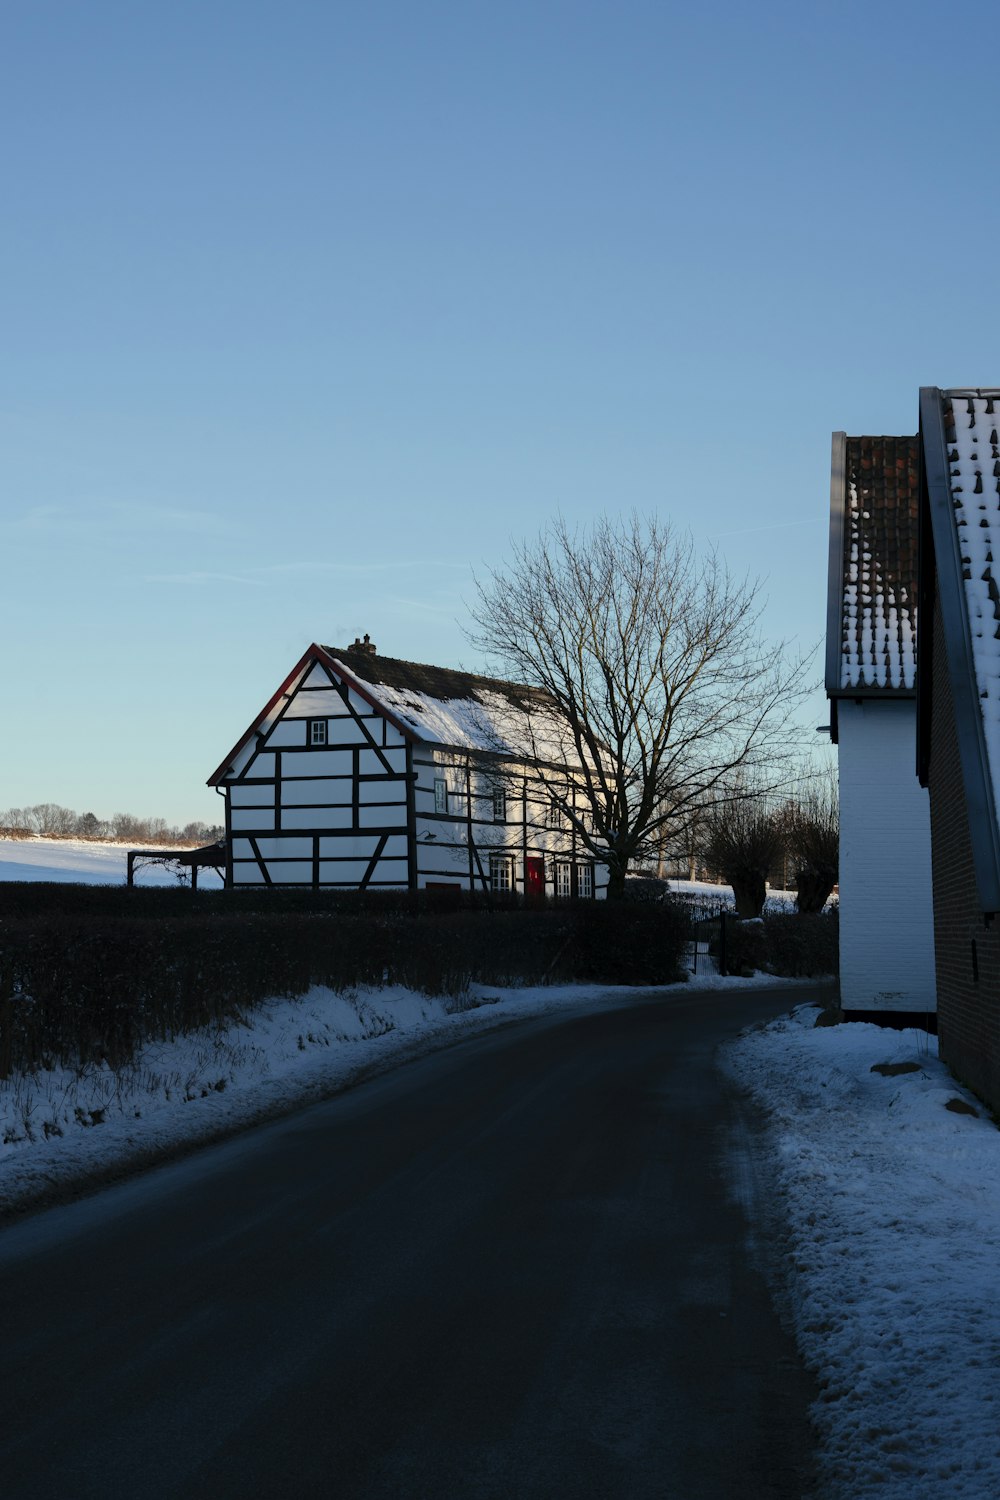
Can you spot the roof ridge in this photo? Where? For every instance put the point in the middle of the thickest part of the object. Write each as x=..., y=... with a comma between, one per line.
x=370, y=658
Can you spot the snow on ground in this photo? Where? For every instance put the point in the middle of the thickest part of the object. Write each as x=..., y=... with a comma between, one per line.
x=66, y=1124
x=704, y=893
x=78, y=861
x=892, y=1206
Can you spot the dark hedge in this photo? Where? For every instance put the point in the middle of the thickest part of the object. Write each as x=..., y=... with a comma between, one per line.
x=80, y=984
x=799, y=945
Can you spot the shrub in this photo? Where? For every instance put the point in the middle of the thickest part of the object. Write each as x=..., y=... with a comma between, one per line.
x=87, y=985
x=797, y=945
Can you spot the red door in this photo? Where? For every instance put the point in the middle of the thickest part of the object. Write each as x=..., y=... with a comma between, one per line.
x=534, y=876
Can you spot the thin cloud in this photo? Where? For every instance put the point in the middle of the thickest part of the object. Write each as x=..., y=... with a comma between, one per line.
x=358, y=568
x=112, y=517
x=197, y=576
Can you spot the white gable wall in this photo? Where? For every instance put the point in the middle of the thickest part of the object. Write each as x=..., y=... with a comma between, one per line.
x=886, y=915
x=329, y=815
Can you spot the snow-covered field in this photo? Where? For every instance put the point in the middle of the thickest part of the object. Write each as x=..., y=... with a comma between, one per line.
x=81, y=862
x=893, y=1206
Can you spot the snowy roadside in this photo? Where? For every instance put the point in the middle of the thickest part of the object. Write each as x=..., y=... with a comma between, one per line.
x=892, y=1207
x=63, y=1127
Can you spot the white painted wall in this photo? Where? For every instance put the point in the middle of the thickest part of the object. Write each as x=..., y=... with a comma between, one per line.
x=886, y=916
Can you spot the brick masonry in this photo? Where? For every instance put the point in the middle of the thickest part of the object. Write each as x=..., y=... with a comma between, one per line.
x=967, y=946
x=886, y=913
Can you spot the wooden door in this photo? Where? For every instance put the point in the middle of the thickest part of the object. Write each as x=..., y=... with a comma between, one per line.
x=534, y=876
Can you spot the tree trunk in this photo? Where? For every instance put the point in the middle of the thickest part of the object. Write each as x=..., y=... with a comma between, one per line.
x=814, y=889
x=616, y=882
x=750, y=892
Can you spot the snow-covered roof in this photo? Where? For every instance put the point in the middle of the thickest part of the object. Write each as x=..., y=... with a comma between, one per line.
x=872, y=623
x=974, y=474
x=961, y=449
x=441, y=706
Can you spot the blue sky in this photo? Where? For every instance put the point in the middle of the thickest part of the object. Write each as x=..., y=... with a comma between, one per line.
x=308, y=309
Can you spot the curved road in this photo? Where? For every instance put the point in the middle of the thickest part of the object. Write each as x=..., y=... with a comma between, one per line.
x=510, y=1269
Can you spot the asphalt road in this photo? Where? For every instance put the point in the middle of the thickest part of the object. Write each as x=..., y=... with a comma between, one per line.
x=516, y=1268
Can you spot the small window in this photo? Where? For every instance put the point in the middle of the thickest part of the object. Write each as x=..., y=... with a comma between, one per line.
x=554, y=817
x=499, y=805
x=585, y=882
x=564, y=881
x=501, y=872
x=440, y=795
x=317, y=731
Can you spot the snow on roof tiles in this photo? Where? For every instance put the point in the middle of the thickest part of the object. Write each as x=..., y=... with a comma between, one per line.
x=971, y=433
x=461, y=709
x=879, y=610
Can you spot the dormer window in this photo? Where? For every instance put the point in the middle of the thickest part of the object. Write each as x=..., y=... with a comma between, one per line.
x=317, y=731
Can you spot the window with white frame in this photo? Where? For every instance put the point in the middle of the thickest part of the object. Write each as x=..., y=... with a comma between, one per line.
x=564, y=881
x=317, y=731
x=501, y=872
x=585, y=882
x=499, y=805
x=440, y=794
x=554, y=817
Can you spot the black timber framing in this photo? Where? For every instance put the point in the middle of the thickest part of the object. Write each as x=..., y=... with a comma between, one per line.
x=261, y=865
x=411, y=820
x=373, y=862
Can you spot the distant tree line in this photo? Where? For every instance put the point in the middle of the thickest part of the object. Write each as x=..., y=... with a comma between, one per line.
x=50, y=820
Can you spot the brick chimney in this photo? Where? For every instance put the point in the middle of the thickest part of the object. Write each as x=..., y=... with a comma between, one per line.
x=367, y=645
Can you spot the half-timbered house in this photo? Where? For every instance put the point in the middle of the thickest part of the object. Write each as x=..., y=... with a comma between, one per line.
x=367, y=772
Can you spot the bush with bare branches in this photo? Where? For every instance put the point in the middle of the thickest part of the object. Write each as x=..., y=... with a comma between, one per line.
x=812, y=833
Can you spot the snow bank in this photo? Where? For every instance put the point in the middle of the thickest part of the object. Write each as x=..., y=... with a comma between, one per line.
x=62, y=1125
x=894, y=1216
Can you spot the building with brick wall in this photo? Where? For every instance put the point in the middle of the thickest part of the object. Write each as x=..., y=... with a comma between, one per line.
x=887, y=969
x=959, y=718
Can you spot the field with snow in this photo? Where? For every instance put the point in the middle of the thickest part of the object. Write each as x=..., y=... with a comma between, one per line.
x=82, y=862
x=86, y=863
x=892, y=1204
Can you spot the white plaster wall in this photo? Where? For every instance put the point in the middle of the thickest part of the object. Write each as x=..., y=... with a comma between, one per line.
x=886, y=916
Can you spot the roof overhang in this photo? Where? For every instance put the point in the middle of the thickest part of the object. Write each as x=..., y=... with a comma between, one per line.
x=835, y=572
x=945, y=565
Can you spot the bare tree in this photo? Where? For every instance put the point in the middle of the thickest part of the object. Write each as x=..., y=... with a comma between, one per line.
x=89, y=826
x=812, y=832
x=743, y=841
x=654, y=659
